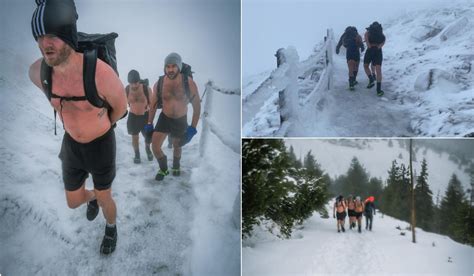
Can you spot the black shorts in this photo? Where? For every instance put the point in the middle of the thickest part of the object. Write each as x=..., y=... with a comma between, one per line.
x=96, y=157
x=351, y=213
x=373, y=55
x=358, y=215
x=176, y=127
x=340, y=216
x=352, y=53
x=136, y=124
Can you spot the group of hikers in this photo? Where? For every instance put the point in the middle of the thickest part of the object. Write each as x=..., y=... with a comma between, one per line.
x=355, y=208
x=90, y=98
x=352, y=41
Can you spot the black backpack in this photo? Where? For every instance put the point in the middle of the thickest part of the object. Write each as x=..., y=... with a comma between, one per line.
x=93, y=46
x=376, y=34
x=145, y=84
x=350, y=37
x=186, y=72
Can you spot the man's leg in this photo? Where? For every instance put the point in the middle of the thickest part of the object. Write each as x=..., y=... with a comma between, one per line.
x=136, y=148
x=378, y=69
x=78, y=197
x=157, y=142
x=351, y=65
x=176, y=156
x=109, y=209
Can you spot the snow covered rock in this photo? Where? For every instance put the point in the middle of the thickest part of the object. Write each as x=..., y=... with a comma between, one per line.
x=453, y=29
x=426, y=80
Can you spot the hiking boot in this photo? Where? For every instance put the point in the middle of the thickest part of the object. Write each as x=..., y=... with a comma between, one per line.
x=380, y=93
x=360, y=231
x=161, y=175
x=338, y=231
x=110, y=240
x=353, y=225
x=343, y=230
x=371, y=84
x=137, y=160
x=355, y=83
x=175, y=172
x=92, y=210
x=351, y=87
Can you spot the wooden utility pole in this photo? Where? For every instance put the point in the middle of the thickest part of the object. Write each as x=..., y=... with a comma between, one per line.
x=413, y=217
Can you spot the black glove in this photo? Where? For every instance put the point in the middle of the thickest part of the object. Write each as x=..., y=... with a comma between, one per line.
x=337, y=51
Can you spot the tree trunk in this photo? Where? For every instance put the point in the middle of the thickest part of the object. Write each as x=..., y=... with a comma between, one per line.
x=413, y=217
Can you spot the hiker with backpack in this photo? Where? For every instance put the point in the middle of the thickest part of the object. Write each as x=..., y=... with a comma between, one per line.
x=138, y=96
x=375, y=40
x=89, y=97
x=369, y=212
x=353, y=43
x=339, y=211
x=172, y=93
x=359, y=209
x=351, y=211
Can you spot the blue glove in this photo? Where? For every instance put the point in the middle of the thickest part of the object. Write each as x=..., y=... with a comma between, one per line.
x=148, y=128
x=190, y=132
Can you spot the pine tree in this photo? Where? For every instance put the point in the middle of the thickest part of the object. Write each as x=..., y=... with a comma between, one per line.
x=424, y=199
x=452, y=212
x=265, y=165
x=356, y=180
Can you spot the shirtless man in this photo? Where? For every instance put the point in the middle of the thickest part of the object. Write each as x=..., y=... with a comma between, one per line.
x=340, y=207
x=359, y=209
x=88, y=144
x=138, y=116
x=173, y=118
x=351, y=212
x=375, y=40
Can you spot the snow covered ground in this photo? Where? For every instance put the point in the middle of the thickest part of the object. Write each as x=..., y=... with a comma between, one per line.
x=427, y=79
x=182, y=226
x=316, y=248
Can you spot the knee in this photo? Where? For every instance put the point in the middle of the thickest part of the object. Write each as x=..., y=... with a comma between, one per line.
x=103, y=197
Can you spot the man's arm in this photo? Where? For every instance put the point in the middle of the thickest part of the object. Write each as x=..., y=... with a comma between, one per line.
x=34, y=74
x=153, y=103
x=196, y=102
x=366, y=38
x=149, y=95
x=339, y=44
x=111, y=88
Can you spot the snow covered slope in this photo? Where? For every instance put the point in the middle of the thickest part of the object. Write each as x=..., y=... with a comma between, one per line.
x=376, y=156
x=181, y=226
x=317, y=249
x=427, y=79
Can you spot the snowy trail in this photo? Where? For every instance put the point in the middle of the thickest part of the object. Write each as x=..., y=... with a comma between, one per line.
x=316, y=248
x=359, y=113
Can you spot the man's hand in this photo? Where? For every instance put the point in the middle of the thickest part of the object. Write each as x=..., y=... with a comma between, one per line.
x=148, y=128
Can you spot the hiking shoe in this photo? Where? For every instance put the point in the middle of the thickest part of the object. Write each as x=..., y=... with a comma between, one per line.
x=360, y=231
x=371, y=84
x=137, y=160
x=109, y=241
x=161, y=175
x=175, y=172
x=355, y=82
x=149, y=154
x=92, y=210
x=343, y=230
x=380, y=93
x=338, y=231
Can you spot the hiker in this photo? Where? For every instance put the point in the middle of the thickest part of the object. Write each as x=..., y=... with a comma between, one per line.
x=340, y=207
x=375, y=40
x=174, y=90
x=138, y=100
x=359, y=208
x=353, y=42
x=369, y=212
x=88, y=145
x=350, y=210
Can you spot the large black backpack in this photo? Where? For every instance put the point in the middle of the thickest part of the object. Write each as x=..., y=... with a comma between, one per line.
x=186, y=72
x=93, y=46
x=350, y=37
x=145, y=84
x=376, y=34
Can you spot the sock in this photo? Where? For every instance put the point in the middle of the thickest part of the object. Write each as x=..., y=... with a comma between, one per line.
x=163, y=163
x=371, y=78
x=110, y=229
x=137, y=153
x=93, y=202
x=147, y=148
x=374, y=77
x=355, y=75
x=379, y=84
x=176, y=162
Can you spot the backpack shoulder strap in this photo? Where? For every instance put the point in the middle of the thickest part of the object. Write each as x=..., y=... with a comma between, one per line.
x=145, y=91
x=46, y=79
x=187, y=90
x=90, y=63
x=159, y=87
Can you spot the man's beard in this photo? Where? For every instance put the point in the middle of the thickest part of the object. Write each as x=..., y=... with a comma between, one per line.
x=62, y=55
x=171, y=75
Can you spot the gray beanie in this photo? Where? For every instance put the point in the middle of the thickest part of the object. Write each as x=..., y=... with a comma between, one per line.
x=174, y=58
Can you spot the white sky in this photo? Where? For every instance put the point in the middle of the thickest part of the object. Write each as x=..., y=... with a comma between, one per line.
x=271, y=24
